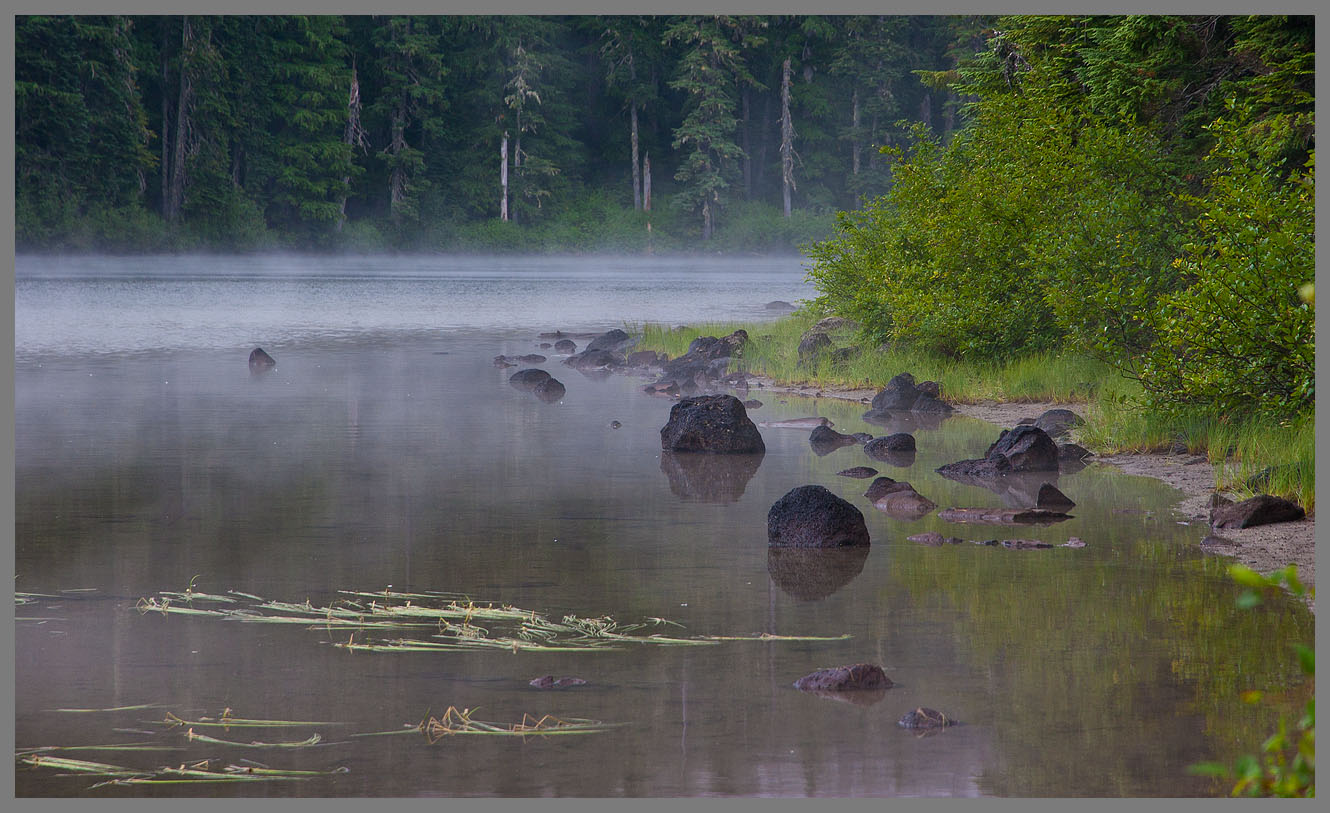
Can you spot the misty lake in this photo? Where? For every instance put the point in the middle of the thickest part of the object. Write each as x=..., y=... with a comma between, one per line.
x=387, y=453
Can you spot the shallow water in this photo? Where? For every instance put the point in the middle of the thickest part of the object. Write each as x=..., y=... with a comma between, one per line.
x=386, y=449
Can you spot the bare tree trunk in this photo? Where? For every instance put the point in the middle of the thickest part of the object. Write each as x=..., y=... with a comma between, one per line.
x=176, y=198
x=637, y=174
x=646, y=183
x=503, y=177
x=706, y=219
x=786, y=139
x=764, y=144
x=397, y=178
x=748, y=154
x=854, y=138
x=166, y=128
x=926, y=109
x=353, y=135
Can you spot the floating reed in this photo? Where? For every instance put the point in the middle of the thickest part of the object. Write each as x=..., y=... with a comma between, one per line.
x=456, y=623
x=459, y=722
x=314, y=739
x=227, y=721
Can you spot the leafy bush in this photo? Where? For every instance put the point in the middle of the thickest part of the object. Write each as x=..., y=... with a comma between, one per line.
x=1240, y=337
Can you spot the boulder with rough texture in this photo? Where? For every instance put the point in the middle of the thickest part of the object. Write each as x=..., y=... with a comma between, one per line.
x=707, y=360
x=645, y=358
x=813, y=517
x=528, y=379
x=565, y=346
x=811, y=344
x=710, y=423
x=899, y=500
x=1263, y=509
x=1025, y=448
x=845, y=678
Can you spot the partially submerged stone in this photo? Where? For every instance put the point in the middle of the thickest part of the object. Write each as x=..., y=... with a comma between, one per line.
x=1003, y=516
x=260, y=362
x=710, y=423
x=826, y=440
x=845, y=678
x=925, y=718
x=551, y=682
x=1051, y=499
x=933, y=539
x=812, y=517
x=1018, y=450
x=857, y=472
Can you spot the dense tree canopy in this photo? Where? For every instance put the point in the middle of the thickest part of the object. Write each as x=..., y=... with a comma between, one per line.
x=1139, y=187
x=236, y=131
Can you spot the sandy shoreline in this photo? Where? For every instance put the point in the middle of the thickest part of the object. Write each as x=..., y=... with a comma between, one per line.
x=1264, y=548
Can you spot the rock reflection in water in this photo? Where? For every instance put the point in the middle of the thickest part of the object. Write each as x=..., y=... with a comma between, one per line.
x=895, y=420
x=856, y=697
x=704, y=477
x=812, y=574
x=1015, y=490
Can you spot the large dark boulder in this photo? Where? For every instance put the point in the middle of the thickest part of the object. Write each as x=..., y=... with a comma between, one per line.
x=811, y=344
x=845, y=678
x=1058, y=422
x=1022, y=449
x=1263, y=509
x=899, y=442
x=261, y=362
x=813, y=517
x=711, y=423
x=527, y=379
x=812, y=574
x=565, y=346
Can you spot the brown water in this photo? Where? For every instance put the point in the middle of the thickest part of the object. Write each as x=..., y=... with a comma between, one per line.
x=373, y=457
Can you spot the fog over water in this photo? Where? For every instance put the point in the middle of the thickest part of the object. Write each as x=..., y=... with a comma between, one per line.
x=386, y=448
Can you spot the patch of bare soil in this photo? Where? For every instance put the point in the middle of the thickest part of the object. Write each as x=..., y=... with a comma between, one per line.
x=1264, y=548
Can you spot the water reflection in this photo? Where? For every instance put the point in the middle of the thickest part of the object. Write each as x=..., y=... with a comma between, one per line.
x=1019, y=490
x=714, y=478
x=895, y=420
x=812, y=574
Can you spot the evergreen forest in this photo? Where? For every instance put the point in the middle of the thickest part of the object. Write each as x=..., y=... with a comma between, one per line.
x=630, y=133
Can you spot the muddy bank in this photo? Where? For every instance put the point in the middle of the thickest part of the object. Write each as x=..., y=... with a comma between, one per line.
x=1264, y=548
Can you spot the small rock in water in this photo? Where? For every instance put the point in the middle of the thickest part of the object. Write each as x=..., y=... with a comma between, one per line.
x=260, y=361
x=858, y=472
x=752, y=403
x=551, y=682
x=615, y=424
x=923, y=717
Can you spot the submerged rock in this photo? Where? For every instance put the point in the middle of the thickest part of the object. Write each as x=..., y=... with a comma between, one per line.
x=826, y=440
x=845, y=678
x=551, y=682
x=711, y=423
x=797, y=423
x=925, y=718
x=1003, y=516
x=813, y=517
x=858, y=472
x=933, y=539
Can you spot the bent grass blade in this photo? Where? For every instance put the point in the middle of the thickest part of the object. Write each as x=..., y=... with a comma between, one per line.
x=204, y=738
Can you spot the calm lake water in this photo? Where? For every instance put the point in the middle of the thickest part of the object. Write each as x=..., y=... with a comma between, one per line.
x=386, y=449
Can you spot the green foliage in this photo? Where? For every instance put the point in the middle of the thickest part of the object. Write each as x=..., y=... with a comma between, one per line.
x=1286, y=767
x=1239, y=337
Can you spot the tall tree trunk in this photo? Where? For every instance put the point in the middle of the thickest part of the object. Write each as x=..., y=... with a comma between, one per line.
x=786, y=139
x=926, y=109
x=397, y=143
x=748, y=154
x=646, y=182
x=706, y=219
x=176, y=199
x=503, y=177
x=854, y=131
x=353, y=135
x=166, y=125
x=764, y=145
x=637, y=174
